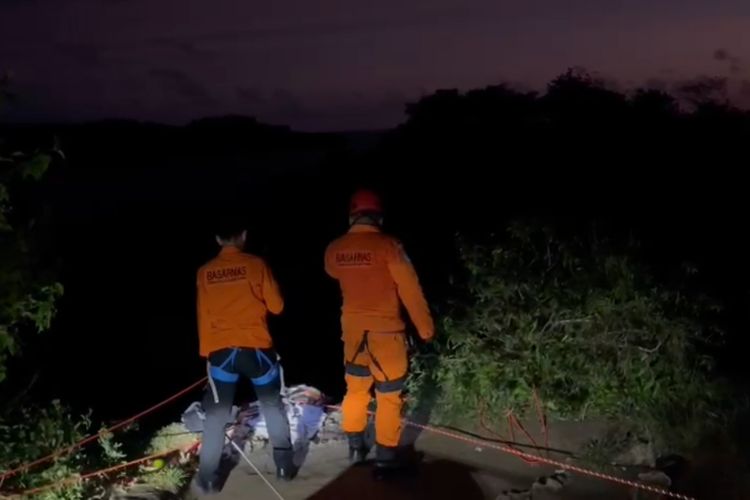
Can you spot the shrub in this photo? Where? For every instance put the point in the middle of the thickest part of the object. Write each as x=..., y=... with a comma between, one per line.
x=170, y=437
x=175, y=470
x=36, y=432
x=583, y=325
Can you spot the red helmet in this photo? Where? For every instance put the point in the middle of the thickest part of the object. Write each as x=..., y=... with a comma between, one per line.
x=364, y=201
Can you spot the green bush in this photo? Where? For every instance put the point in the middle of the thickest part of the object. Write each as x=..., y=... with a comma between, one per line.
x=170, y=437
x=586, y=327
x=170, y=479
x=35, y=432
x=28, y=298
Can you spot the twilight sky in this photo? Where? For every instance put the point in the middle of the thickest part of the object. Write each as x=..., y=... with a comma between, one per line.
x=344, y=64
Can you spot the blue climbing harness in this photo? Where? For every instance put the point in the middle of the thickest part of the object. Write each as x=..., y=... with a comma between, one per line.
x=273, y=370
x=221, y=374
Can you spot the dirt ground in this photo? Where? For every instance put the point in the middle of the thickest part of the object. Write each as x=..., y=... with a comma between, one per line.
x=450, y=470
x=455, y=469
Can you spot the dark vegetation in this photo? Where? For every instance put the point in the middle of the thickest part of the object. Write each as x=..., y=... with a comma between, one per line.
x=549, y=194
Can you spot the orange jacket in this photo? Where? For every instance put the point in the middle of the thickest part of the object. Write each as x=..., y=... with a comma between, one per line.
x=374, y=273
x=236, y=290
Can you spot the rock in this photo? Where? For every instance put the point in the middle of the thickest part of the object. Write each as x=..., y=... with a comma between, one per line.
x=553, y=483
x=639, y=452
x=673, y=466
x=654, y=478
x=514, y=495
x=142, y=492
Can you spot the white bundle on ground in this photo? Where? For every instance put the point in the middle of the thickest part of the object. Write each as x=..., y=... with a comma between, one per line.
x=309, y=419
x=304, y=409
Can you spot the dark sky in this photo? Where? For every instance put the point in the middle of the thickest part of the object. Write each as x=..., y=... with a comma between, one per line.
x=345, y=64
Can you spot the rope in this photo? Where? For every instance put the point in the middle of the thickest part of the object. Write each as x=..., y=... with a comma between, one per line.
x=94, y=437
x=435, y=430
x=515, y=444
x=211, y=383
x=513, y=422
x=257, y=471
x=511, y=443
x=556, y=463
x=102, y=472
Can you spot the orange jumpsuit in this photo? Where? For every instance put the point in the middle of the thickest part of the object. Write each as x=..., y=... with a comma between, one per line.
x=236, y=290
x=376, y=276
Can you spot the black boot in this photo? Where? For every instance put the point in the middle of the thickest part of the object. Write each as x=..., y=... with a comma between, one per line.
x=357, y=448
x=284, y=460
x=203, y=487
x=389, y=463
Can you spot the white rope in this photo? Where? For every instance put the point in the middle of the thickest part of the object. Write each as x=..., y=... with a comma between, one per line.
x=245, y=457
x=281, y=373
x=211, y=383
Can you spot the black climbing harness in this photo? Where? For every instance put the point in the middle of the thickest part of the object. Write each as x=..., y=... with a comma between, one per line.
x=364, y=371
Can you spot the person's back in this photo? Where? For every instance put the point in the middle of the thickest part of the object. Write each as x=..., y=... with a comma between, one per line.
x=236, y=291
x=360, y=260
x=375, y=276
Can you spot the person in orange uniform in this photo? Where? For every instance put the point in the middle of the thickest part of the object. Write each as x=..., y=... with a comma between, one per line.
x=236, y=291
x=375, y=276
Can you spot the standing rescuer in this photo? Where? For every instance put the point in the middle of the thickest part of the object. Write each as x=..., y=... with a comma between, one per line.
x=375, y=276
x=236, y=291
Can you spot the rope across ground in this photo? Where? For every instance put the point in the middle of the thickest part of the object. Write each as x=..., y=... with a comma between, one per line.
x=526, y=457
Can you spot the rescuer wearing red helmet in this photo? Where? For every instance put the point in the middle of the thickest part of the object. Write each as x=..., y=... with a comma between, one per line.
x=375, y=276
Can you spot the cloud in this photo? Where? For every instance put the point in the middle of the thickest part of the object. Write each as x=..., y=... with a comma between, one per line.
x=250, y=96
x=289, y=104
x=182, y=85
x=278, y=102
x=86, y=55
x=721, y=54
x=184, y=46
x=307, y=29
x=726, y=57
x=657, y=84
x=702, y=89
x=340, y=111
x=745, y=89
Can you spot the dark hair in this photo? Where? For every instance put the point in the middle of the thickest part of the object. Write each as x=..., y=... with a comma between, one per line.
x=229, y=227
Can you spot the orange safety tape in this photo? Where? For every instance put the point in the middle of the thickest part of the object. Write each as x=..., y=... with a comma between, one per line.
x=478, y=442
x=102, y=472
x=548, y=461
x=94, y=437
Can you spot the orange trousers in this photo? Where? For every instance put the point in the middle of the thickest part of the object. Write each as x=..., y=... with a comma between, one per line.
x=379, y=359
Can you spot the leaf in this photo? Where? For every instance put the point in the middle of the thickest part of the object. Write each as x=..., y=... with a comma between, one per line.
x=495, y=343
x=35, y=167
x=4, y=224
